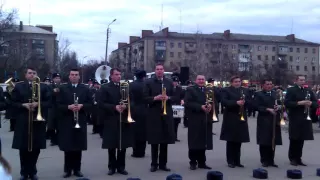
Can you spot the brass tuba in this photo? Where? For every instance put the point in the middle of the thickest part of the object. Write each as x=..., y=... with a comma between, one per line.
x=10, y=85
x=210, y=99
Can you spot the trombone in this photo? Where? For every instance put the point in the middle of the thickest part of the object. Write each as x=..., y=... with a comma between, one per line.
x=210, y=99
x=307, y=108
x=125, y=100
x=76, y=113
x=242, y=107
x=35, y=97
x=164, y=102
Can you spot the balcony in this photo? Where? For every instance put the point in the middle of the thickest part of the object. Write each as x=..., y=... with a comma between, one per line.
x=244, y=48
x=160, y=55
x=283, y=50
x=190, y=47
x=160, y=45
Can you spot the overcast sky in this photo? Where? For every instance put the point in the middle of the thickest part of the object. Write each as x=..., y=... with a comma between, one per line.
x=84, y=22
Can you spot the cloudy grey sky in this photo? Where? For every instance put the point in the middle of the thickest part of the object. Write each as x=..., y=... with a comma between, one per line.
x=84, y=22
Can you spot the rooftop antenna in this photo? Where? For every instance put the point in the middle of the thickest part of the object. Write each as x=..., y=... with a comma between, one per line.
x=161, y=26
x=29, y=13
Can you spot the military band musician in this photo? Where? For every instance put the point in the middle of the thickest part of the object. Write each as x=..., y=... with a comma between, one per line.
x=200, y=123
x=268, y=122
x=177, y=92
x=10, y=114
x=73, y=101
x=29, y=135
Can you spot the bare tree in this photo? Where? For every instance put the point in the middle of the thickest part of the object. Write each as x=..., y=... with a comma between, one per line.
x=63, y=49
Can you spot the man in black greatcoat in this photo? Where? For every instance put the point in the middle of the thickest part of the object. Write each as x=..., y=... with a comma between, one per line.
x=139, y=108
x=235, y=131
x=3, y=106
x=160, y=126
x=185, y=118
x=53, y=113
x=298, y=99
x=10, y=110
x=268, y=122
x=99, y=111
x=29, y=135
x=94, y=109
x=252, y=109
x=200, y=123
x=72, y=139
x=177, y=92
x=117, y=136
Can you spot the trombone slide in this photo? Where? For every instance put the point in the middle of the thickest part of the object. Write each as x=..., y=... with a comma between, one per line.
x=164, y=102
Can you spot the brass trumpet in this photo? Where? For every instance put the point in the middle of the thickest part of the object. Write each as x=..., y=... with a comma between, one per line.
x=282, y=121
x=164, y=102
x=210, y=99
x=242, y=107
x=307, y=108
x=76, y=113
x=35, y=97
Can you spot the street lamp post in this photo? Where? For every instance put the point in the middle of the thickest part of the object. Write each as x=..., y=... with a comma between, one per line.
x=108, y=30
x=82, y=67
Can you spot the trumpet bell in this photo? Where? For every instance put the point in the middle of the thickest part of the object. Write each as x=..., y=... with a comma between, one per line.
x=242, y=118
x=130, y=120
x=308, y=118
x=77, y=126
x=282, y=122
x=215, y=118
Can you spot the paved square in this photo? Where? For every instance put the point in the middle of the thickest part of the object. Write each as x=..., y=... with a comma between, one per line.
x=94, y=162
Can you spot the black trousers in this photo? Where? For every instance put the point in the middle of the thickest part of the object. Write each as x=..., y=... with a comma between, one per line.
x=139, y=148
x=266, y=154
x=28, y=162
x=117, y=159
x=72, y=161
x=176, y=125
x=197, y=156
x=233, y=152
x=162, y=155
x=12, y=124
x=185, y=121
x=52, y=135
x=295, y=150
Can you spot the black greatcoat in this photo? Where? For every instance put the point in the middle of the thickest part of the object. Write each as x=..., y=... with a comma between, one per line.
x=21, y=94
x=160, y=128
x=70, y=138
x=10, y=109
x=299, y=127
x=233, y=129
x=138, y=109
x=4, y=104
x=200, y=123
x=265, y=124
x=110, y=97
x=53, y=112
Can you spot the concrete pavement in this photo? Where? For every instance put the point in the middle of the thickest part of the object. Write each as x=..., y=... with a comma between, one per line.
x=94, y=163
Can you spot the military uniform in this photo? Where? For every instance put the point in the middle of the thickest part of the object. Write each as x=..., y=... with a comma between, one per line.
x=10, y=110
x=177, y=92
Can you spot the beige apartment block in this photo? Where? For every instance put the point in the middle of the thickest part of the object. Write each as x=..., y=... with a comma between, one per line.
x=246, y=51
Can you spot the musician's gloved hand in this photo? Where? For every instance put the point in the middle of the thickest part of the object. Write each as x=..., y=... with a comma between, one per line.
x=240, y=102
x=34, y=104
x=272, y=111
x=209, y=107
x=308, y=103
x=165, y=97
x=204, y=108
x=78, y=107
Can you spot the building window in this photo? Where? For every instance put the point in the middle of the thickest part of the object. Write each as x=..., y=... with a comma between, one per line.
x=291, y=59
x=291, y=49
x=314, y=50
x=297, y=68
x=179, y=54
x=259, y=57
x=179, y=45
x=233, y=47
x=305, y=50
x=298, y=50
x=313, y=60
x=266, y=48
x=171, y=54
x=161, y=43
x=207, y=46
x=273, y=58
x=172, y=45
x=259, y=48
x=298, y=59
x=291, y=67
x=305, y=59
x=267, y=57
x=305, y=68
x=273, y=49
x=313, y=68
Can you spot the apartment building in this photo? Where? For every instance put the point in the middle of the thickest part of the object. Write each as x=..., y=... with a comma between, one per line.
x=242, y=52
x=26, y=43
